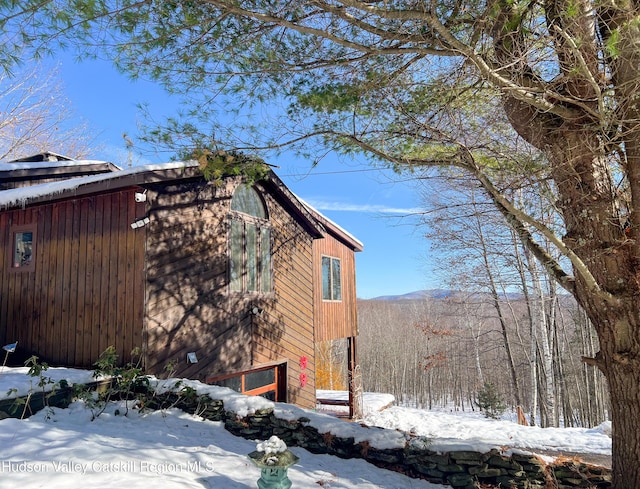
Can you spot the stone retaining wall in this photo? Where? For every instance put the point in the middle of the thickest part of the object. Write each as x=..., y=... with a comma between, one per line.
x=460, y=469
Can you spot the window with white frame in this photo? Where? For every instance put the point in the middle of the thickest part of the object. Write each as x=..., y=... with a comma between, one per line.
x=331, y=279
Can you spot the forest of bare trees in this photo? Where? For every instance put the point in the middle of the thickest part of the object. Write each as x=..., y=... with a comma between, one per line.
x=439, y=352
x=502, y=322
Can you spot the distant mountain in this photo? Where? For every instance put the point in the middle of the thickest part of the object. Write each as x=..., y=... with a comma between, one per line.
x=442, y=294
x=417, y=295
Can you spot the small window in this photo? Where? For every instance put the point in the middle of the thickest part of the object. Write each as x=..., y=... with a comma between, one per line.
x=261, y=378
x=331, y=279
x=265, y=260
x=22, y=249
x=236, y=245
x=267, y=382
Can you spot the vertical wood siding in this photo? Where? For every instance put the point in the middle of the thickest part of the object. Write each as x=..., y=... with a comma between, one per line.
x=164, y=287
x=188, y=305
x=285, y=328
x=335, y=319
x=86, y=290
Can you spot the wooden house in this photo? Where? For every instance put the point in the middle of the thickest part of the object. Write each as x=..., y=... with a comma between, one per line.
x=335, y=302
x=226, y=283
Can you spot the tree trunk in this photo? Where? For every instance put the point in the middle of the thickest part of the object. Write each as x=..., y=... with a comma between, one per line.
x=595, y=232
x=607, y=263
x=542, y=330
x=624, y=388
x=501, y=319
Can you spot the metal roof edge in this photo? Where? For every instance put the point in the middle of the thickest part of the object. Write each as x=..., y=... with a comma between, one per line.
x=35, y=194
x=334, y=228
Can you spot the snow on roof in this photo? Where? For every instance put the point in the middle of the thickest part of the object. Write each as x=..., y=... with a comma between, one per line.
x=22, y=196
x=336, y=227
x=43, y=156
x=26, y=165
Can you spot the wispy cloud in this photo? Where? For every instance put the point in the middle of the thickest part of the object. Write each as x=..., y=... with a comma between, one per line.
x=323, y=205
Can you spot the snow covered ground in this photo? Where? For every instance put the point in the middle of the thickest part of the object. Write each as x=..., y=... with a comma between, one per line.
x=455, y=431
x=171, y=449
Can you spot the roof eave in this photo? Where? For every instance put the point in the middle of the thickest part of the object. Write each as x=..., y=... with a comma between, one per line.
x=98, y=184
x=334, y=229
x=295, y=205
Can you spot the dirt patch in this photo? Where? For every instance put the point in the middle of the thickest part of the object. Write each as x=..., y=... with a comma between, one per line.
x=588, y=458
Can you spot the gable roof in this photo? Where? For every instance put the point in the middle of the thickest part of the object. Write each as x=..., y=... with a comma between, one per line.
x=110, y=177
x=31, y=170
x=44, y=156
x=96, y=183
x=335, y=229
x=140, y=176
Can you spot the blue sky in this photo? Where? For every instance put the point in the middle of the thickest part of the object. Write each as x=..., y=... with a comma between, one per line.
x=370, y=204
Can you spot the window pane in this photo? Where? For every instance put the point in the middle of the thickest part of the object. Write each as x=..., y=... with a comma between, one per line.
x=236, y=255
x=326, y=278
x=254, y=380
x=336, y=283
x=234, y=383
x=270, y=395
x=246, y=199
x=265, y=260
x=250, y=243
x=22, y=250
x=252, y=258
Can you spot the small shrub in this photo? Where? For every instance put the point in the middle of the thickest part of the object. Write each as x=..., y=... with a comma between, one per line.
x=91, y=399
x=170, y=368
x=126, y=383
x=37, y=370
x=490, y=401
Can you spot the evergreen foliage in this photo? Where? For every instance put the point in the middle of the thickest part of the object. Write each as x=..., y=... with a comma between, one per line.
x=216, y=165
x=490, y=401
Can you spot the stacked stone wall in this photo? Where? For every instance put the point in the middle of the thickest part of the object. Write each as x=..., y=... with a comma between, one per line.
x=462, y=469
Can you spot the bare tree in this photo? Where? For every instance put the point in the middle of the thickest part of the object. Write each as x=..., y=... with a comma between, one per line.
x=474, y=237
x=481, y=251
x=35, y=116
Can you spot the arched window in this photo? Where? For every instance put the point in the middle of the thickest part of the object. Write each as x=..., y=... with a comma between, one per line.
x=249, y=243
x=247, y=201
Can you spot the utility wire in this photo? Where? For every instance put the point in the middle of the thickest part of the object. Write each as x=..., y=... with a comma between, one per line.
x=337, y=172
